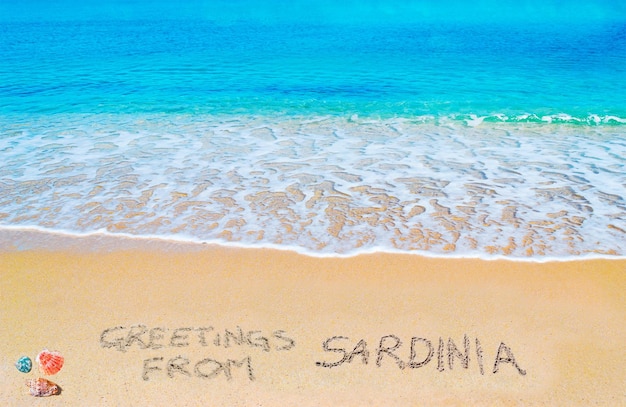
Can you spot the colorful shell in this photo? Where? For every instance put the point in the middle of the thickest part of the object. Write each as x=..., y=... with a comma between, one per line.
x=49, y=362
x=42, y=387
x=24, y=364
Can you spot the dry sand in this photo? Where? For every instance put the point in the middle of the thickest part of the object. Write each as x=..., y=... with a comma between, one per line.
x=149, y=323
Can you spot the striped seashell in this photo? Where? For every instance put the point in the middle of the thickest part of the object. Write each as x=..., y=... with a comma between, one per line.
x=42, y=387
x=24, y=364
x=50, y=362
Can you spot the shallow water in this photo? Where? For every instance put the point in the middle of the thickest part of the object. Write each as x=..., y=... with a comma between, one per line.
x=389, y=70
x=325, y=184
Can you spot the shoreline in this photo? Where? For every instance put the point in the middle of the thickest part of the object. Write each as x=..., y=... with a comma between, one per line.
x=164, y=324
x=34, y=237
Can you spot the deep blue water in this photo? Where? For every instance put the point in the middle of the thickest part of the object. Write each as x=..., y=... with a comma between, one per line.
x=198, y=66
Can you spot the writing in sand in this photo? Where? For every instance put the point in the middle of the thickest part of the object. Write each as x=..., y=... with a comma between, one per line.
x=420, y=353
x=338, y=351
x=123, y=338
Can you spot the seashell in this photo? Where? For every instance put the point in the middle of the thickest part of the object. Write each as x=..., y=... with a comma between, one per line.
x=42, y=387
x=50, y=362
x=24, y=364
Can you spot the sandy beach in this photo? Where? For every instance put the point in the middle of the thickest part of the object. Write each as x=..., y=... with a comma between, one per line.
x=143, y=322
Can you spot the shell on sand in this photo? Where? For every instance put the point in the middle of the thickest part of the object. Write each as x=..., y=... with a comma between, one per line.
x=24, y=364
x=50, y=362
x=42, y=387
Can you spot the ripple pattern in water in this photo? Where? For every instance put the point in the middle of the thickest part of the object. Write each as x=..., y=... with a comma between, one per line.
x=324, y=184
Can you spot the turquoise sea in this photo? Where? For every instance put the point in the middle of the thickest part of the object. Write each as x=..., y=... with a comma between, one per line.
x=428, y=127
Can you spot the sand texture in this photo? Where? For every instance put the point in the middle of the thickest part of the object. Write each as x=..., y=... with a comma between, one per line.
x=149, y=323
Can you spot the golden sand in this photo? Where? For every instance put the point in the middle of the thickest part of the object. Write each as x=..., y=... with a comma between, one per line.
x=149, y=323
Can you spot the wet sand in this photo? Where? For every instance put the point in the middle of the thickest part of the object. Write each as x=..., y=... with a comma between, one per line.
x=149, y=323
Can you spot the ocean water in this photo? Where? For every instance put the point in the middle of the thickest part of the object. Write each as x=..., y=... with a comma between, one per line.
x=439, y=136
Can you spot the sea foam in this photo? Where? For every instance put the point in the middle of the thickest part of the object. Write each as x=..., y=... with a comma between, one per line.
x=322, y=184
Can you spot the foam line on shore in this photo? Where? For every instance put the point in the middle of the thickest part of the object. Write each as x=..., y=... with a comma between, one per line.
x=9, y=232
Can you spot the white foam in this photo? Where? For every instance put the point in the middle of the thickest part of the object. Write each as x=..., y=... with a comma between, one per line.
x=328, y=186
x=30, y=245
